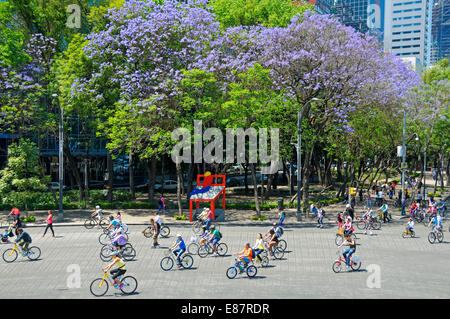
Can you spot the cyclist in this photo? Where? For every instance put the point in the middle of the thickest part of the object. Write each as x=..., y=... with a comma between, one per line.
x=215, y=237
x=385, y=209
x=432, y=210
x=368, y=219
x=155, y=228
x=116, y=272
x=204, y=236
x=209, y=218
x=437, y=221
x=119, y=240
x=113, y=223
x=259, y=247
x=414, y=209
x=272, y=239
x=339, y=219
x=246, y=256
x=410, y=225
x=349, y=251
x=119, y=217
x=179, y=247
x=442, y=207
x=23, y=240
x=348, y=227
x=97, y=213
x=17, y=223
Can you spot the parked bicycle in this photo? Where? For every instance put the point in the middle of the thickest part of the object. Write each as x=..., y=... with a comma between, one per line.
x=164, y=231
x=11, y=254
x=239, y=268
x=355, y=262
x=169, y=260
x=127, y=252
x=100, y=286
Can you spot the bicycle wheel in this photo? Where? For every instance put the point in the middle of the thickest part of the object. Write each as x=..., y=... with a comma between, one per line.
x=376, y=225
x=413, y=234
x=103, y=223
x=104, y=239
x=440, y=236
x=431, y=238
x=34, y=253
x=355, y=263
x=165, y=231
x=203, y=251
x=197, y=227
x=187, y=261
x=129, y=285
x=105, y=254
x=166, y=263
x=337, y=266
x=89, y=223
x=264, y=254
x=338, y=240
x=264, y=261
x=99, y=287
x=282, y=244
x=361, y=224
x=9, y=255
x=148, y=232
x=278, y=253
x=252, y=271
x=222, y=249
x=125, y=227
x=232, y=272
x=193, y=248
x=129, y=253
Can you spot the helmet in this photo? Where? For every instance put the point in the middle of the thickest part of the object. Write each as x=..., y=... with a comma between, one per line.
x=410, y=218
x=111, y=217
x=178, y=235
x=97, y=207
x=347, y=206
x=212, y=227
x=274, y=224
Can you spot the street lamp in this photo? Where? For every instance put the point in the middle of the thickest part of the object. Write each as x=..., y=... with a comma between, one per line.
x=61, y=160
x=299, y=156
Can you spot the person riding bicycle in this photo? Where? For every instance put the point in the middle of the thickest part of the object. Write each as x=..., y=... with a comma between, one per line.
x=215, y=237
x=432, y=210
x=179, y=247
x=437, y=221
x=155, y=228
x=204, y=236
x=272, y=238
x=97, y=213
x=348, y=226
x=247, y=255
x=410, y=225
x=349, y=251
x=414, y=209
x=259, y=247
x=442, y=206
x=118, y=271
x=113, y=223
x=119, y=240
x=368, y=221
x=23, y=240
x=339, y=219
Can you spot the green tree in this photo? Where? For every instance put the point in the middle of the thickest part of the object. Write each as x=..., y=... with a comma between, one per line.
x=22, y=175
x=269, y=13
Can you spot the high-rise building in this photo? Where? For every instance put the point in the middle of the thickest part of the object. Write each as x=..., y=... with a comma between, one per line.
x=407, y=29
x=440, y=31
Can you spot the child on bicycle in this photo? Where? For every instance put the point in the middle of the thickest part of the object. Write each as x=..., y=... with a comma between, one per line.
x=410, y=225
x=116, y=272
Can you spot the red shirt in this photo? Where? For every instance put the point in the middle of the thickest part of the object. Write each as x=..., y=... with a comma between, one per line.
x=16, y=211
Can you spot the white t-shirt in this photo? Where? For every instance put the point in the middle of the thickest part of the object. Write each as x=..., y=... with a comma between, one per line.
x=411, y=224
x=158, y=220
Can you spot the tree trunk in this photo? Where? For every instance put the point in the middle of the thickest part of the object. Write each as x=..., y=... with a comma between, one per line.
x=245, y=178
x=190, y=179
x=255, y=189
x=305, y=180
x=110, y=168
x=269, y=184
x=72, y=163
x=150, y=167
x=179, y=182
x=131, y=175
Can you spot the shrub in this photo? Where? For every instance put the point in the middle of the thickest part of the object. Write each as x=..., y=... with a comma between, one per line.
x=262, y=218
x=180, y=217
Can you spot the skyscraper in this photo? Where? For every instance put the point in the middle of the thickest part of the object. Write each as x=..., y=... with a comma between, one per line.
x=407, y=29
x=440, y=31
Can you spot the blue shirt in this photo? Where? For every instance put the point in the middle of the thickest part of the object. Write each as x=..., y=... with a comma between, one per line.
x=115, y=223
x=182, y=244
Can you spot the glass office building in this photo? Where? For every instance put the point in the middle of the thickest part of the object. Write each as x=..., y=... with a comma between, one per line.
x=440, y=31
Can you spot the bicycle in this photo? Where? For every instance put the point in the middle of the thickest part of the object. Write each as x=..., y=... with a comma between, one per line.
x=163, y=232
x=100, y=286
x=168, y=261
x=340, y=237
x=435, y=235
x=355, y=262
x=409, y=233
x=127, y=252
x=277, y=253
x=362, y=224
x=264, y=262
x=249, y=269
x=106, y=237
x=11, y=254
x=197, y=226
x=91, y=222
x=206, y=249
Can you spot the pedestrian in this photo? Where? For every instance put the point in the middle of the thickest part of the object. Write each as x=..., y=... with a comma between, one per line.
x=403, y=206
x=353, y=202
x=320, y=214
x=162, y=204
x=368, y=200
x=49, y=221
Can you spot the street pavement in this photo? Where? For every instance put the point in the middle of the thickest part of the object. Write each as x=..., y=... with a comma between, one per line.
x=392, y=267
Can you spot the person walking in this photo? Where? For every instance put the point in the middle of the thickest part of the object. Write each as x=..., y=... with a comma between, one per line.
x=49, y=221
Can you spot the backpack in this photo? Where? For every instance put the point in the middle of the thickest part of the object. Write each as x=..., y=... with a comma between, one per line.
x=220, y=234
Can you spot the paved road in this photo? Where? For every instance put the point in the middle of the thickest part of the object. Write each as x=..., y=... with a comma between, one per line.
x=409, y=268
